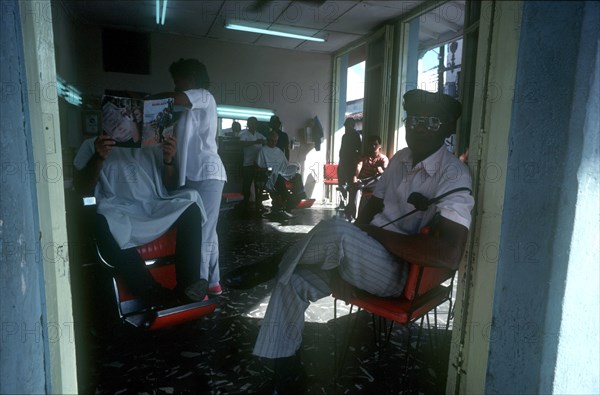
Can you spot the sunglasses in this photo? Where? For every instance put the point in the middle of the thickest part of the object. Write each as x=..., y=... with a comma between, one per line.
x=432, y=124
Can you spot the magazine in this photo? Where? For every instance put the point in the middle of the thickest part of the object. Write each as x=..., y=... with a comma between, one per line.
x=137, y=122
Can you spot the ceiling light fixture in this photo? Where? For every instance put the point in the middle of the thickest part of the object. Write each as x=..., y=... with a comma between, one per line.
x=236, y=112
x=160, y=15
x=274, y=30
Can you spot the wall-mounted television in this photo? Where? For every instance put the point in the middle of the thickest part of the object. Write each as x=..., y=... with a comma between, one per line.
x=125, y=51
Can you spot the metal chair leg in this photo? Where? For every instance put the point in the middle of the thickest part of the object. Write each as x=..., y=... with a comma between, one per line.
x=339, y=361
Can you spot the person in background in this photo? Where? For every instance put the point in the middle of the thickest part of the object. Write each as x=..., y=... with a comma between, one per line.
x=236, y=128
x=349, y=154
x=200, y=167
x=368, y=170
x=372, y=256
x=283, y=141
x=252, y=142
x=277, y=169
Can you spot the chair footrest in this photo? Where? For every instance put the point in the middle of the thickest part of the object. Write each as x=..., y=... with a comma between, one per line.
x=156, y=319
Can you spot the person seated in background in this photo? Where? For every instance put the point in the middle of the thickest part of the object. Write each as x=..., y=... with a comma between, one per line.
x=134, y=207
x=274, y=166
x=372, y=256
x=368, y=170
x=252, y=142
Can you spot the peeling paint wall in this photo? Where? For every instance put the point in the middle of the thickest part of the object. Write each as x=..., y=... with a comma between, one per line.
x=23, y=330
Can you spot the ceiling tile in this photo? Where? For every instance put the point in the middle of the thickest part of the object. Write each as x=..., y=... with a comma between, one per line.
x=341, y=21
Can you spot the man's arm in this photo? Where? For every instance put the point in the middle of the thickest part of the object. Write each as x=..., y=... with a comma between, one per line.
x=85, y=180
x=443, y=246
x=180, y=98
x=169, y=175
x=382, y=165
x=286, y=146
x=359, y=167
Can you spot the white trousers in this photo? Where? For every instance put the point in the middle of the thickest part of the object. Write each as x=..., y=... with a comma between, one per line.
x=211, y=193
x=304, y=277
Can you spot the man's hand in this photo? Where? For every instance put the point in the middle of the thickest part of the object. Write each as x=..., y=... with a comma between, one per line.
x=169, y=147
x=341, y=288
x=103, y=145
x=85, y=179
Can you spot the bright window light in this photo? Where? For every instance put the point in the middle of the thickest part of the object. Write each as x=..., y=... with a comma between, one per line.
x=273, y=30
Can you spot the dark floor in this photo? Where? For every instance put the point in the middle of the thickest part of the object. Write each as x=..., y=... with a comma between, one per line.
x=214, y=355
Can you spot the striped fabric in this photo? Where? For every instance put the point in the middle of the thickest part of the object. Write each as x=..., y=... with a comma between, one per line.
x=305, y=272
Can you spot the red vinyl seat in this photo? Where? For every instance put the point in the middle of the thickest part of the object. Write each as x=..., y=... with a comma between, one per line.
x=425, y=290
x=159, y=257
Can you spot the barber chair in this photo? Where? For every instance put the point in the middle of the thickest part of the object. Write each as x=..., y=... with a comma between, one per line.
x=293, y=187
x=159, y=256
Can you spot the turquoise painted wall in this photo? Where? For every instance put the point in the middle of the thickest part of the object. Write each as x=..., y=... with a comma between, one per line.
x=23, y=328
x=539, y=322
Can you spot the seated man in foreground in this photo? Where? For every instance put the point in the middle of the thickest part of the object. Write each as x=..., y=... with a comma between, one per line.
x=372, y=255
x=134, y=208
x=271, y=161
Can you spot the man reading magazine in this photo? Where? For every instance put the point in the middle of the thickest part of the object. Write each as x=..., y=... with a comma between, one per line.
x=135, y=207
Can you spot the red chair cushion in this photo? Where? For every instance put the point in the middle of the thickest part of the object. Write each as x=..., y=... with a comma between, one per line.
x=431, y=278
x=305, y=203
x=163, y=274
x=161, y=247
x=400, y=309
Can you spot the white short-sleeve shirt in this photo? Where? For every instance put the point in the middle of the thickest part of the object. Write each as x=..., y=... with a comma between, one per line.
x=197, y=150
x=251, y=151
x=274, y=158
x=434, y=176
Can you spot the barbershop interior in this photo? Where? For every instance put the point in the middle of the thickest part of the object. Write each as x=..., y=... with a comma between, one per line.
x=517, y=314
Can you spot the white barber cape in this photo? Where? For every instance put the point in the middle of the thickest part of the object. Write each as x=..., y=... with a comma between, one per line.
x=131, y=195
x=274, y=158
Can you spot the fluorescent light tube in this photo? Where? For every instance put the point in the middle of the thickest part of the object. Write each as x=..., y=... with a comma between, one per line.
x=157, y=12
x=236, y=112
x=160, y=16
x=164, y=12
x=252, y=29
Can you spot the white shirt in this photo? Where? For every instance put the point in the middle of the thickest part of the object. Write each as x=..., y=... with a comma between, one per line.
x=437, y=174
x=274, y=158
x=251, y=151
x=196, y=134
